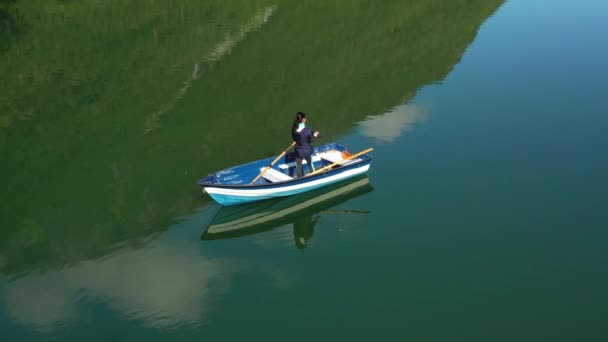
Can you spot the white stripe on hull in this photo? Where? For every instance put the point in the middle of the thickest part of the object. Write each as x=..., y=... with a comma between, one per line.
x=289, y=189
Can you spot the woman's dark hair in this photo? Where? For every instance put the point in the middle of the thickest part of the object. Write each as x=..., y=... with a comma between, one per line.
x=297, y=121
x=300, y=116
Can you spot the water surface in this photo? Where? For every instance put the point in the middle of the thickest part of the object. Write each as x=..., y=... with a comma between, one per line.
x=483, y=216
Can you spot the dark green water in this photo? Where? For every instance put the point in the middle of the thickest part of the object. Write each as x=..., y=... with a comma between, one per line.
x=484, y=215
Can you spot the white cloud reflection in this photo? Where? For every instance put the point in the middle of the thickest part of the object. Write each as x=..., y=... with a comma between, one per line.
x=161, y=285
x=389, y=126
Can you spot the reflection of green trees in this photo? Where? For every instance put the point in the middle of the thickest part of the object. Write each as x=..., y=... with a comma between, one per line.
x=83, y=83
x=9, y=23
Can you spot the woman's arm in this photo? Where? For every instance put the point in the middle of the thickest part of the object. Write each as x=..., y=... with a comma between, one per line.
x=312, y=136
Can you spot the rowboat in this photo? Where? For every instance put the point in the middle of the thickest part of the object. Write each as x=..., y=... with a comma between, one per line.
x=252, y=218
x=275, y=177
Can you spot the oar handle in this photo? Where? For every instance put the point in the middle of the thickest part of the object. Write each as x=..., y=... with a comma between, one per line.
x=274, y=161
x=341, y=161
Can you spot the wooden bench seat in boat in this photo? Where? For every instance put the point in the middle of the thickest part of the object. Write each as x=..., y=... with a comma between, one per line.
x=314, y=158
x=273, y=175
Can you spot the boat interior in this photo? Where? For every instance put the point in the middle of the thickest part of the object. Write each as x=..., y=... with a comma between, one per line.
x=283, y=170
x=287, y=169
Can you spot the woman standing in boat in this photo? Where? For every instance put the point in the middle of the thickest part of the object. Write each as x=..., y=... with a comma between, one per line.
x=303, y=136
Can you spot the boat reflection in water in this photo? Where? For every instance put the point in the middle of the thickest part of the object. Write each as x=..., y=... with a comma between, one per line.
x=299, y=210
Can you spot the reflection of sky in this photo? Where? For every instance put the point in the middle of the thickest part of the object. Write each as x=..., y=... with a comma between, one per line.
x=162, y=285
x=389, y=126
x=165, y=282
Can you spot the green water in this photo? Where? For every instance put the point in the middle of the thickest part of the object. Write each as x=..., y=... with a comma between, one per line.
x=483, y=217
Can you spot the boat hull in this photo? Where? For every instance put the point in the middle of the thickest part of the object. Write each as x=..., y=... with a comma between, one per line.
x=238, y=195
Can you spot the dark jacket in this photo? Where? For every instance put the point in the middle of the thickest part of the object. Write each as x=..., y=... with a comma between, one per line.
x=303, y=140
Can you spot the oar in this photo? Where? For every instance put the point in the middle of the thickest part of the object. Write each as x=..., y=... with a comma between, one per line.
x=271, y=164
x=341, y=161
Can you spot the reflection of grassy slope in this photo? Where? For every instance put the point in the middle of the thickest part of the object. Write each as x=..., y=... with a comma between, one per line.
x=82, y=80
x=82, y=174
x=336, y=63
x=9, y=24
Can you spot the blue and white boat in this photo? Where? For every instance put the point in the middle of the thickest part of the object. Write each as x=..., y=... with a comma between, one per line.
x=331, y=163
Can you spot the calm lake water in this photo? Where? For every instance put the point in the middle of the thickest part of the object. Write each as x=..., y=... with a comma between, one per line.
x=484, y=215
